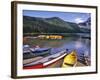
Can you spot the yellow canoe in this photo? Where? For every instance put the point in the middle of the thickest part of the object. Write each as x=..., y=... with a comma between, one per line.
x=70, y=60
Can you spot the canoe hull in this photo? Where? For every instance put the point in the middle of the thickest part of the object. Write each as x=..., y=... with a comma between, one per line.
x=33, y=54
x=42, y=52
x=70, y=60
x=50, y=61
x=55, y=64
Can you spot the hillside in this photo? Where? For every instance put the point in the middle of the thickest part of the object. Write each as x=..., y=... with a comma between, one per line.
x=49, y=25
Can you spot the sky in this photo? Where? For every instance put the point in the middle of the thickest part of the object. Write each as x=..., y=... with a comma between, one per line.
x=66, y=16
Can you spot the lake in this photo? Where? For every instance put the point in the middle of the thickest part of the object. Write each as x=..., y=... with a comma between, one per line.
x=81, y=43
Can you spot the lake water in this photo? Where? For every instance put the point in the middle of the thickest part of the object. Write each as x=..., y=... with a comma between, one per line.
x=78, y=43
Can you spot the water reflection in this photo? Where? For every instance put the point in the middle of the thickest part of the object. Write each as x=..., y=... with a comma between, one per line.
x=81, y=45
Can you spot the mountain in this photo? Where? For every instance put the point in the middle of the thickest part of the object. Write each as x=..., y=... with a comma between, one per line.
x=86, y=24
x=49, y=25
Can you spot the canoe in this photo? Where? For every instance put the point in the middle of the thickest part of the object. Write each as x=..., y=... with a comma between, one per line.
x=70, y=60
x=30, y=53
x=27, y=61
x=41, y=51
x=51, y=61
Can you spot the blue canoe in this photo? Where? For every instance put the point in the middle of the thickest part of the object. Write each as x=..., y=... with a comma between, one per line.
x=37, y=52
x=41, y=51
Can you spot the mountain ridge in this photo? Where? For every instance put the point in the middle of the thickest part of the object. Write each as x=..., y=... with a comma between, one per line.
x=49, y=25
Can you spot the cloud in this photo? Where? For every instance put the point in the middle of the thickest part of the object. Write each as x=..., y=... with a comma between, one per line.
x=79, y=20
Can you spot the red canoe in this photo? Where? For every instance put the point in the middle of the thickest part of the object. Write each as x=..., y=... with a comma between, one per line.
x=49, y=61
